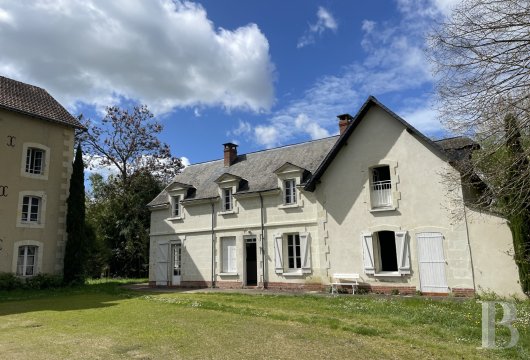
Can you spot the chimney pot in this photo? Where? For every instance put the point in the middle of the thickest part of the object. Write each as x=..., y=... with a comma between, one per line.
x=230, y=153
x=344, y=121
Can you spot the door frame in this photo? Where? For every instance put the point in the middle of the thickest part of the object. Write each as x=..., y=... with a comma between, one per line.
x=250, y=239
x=175, y=280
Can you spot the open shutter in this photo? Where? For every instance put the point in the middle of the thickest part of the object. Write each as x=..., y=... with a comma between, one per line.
x=162, y=264
x=368, y=253
x=278, y=251
x=403, y=252
x=232, y=258
x=305, y=248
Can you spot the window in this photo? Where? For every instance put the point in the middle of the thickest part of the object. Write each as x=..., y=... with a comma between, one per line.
x=227, y=199
x=290, y=191
x=176, y=211
x=35, y=161
x=381, y=189
x=293, y=251
x=27, y=260
x=386, y=253
x=229, y=263
x=31, y=209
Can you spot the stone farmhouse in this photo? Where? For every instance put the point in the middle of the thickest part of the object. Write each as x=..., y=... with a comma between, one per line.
x=371, y=206
x=36, y=151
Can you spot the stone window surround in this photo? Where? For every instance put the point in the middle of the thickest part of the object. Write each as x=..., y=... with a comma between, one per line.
x=46, y=161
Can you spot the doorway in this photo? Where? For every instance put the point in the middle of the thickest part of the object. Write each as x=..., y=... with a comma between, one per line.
x=251, y=262
x=176, y=252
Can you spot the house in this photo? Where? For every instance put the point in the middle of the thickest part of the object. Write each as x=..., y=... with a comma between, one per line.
x=36, y=151
x=373, y=201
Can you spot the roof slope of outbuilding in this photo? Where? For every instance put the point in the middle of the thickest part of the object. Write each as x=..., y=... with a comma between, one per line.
x=256, y=168
x=33, y=101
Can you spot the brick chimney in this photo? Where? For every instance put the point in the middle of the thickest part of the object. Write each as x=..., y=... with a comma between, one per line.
x=230, y=153
x=344, y=121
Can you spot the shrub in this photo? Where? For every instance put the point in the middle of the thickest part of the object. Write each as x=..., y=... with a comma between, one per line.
x=44, y=281
x=8, y=281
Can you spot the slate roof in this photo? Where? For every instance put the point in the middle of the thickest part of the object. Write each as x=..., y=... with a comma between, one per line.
x=256, y=168
x=457, y=148
x=33, y=101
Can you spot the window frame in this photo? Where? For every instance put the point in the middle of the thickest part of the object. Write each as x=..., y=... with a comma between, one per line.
x=27, y=215
x=176, y=208
x=228, y=200
x=228, y=255
x=23, y=218
x=25, y=168
x=394, y=194
x=290, y=186
x=25, y=256
x=294, y=252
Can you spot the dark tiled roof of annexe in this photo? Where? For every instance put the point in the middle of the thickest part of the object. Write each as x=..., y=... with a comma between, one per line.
x=33, y=101
x=256, y=168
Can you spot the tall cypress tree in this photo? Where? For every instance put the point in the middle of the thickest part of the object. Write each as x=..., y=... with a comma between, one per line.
x=76, y=251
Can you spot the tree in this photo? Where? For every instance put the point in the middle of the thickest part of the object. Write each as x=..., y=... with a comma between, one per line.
x=127, y=140
x=482, y=63
x=76, y=244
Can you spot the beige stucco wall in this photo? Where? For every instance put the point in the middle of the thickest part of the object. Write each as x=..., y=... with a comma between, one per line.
x=54, y=188
x=492, y=250
x=423, y=201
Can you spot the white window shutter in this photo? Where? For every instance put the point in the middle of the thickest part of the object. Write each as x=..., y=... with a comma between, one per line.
x=162, y=264
x=225, y=260
x=232, y=259
x=278, y=251
x=305, y=247
x=368, y=253
x=403, y=252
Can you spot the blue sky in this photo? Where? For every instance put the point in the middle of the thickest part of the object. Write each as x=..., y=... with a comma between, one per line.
x=258, y=73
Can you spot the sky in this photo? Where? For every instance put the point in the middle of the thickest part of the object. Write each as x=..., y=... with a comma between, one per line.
x=260, y=74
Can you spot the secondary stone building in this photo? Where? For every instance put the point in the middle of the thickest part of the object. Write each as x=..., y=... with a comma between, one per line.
x=36, y=151
x=372, y=201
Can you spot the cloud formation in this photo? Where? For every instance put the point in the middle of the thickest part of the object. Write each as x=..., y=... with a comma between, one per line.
x=325, y=21
x=99, y=52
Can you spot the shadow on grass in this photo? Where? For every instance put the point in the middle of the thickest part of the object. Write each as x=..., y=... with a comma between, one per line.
x=88, y=296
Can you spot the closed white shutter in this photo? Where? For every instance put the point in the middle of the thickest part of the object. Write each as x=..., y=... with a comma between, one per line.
x=305, y=247
x=431, y=262
x=162, y=264
x=403, y=252
x=278, y=251
x=229, y=255
x=368, y=253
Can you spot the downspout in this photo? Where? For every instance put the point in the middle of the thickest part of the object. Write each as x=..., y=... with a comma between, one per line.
x=262, y=241
x=213, y=245
x=469, y=246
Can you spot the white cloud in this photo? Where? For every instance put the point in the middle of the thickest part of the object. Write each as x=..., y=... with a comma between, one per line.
x=325, y=21
x=423, y=118
x=368, y=25
x=185, y=161
x=267, y=135
x=156, y=52
x=244, y=128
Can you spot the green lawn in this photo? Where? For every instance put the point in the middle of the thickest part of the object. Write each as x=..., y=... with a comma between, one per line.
x=104, y=321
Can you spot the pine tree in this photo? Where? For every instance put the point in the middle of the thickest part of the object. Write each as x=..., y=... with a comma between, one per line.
x=75, y=256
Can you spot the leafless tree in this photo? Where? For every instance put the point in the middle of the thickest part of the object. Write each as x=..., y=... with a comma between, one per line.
x=481, y=58
x=127, y=140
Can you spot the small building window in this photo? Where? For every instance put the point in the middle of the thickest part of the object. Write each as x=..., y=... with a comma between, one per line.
x=176, y=211
x=227, y=199
x=381, y=189
x=290, y=191
x=27, y=260
x=35, y=161
x=293, y=251
x=31, y=209
x=229, y=263
x=386, y=241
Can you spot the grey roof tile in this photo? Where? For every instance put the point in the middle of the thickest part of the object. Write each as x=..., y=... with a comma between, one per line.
x=33, y=101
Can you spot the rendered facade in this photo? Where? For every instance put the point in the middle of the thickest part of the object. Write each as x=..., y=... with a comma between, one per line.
x=36, y=151
x=372, y=201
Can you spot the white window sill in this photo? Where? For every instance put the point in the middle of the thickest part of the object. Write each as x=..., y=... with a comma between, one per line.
x=228, y=274
x=390, y=208
x=28, y=224
x=293, y=273
x=388, y=274
x=289, y=206
x=176, y=218
x=228, y=212
x=42, y=176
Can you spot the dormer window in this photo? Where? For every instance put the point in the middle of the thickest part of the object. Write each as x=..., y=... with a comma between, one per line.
x=290, y=191
x=227, y=199
x=176, y=211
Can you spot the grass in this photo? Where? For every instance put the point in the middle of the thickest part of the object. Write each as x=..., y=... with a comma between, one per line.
x=105, y=321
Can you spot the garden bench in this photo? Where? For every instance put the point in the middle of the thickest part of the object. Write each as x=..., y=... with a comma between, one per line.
x=344, y=280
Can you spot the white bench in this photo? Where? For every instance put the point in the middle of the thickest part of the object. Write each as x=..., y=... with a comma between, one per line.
x=344, y=280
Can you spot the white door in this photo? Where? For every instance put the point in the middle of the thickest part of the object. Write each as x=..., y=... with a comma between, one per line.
x=162, y=261
x=431, y=262
x=176, y=255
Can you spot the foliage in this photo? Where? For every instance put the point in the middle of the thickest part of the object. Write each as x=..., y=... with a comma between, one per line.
x=121, y=220
x=76, y=250
x=9, y=281
x=128, y=324
x=127, y=140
